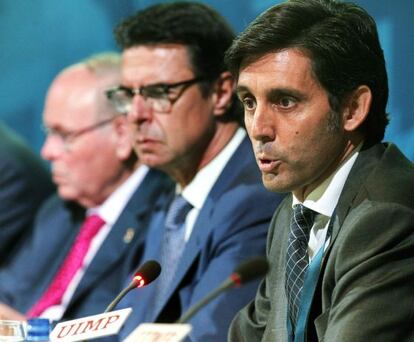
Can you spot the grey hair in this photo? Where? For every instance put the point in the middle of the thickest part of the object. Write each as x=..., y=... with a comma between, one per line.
x=102, y=63
x=106, y=66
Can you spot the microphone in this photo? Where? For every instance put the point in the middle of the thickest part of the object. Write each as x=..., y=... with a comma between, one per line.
x=146, y=274
x=244, y=273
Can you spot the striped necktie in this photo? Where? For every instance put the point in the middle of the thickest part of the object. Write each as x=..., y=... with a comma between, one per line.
x=297, y=257
x=173, y=244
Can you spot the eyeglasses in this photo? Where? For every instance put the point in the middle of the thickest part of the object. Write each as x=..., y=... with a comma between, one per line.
x=67, y=137
x=159, y=97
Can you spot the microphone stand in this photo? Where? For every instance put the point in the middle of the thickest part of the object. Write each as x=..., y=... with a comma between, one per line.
x=196, y=308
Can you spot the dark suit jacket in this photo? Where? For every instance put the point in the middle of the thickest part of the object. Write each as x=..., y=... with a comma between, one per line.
x=231, y=227
x=365, y=289
x=57, y=225
x=24, y=183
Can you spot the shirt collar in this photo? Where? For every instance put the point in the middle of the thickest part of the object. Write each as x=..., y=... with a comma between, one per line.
x=110, y=210
x=197, y=191
x=323, y=199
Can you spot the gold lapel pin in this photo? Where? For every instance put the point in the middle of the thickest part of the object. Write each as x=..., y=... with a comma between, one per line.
x=129, y=235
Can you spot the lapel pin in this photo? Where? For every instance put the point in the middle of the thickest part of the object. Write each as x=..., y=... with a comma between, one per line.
x=129, y=235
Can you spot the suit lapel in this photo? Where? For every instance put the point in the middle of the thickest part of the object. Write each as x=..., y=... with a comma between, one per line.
x=60, y=227
x=353, y=192
x=202, y=227
x=128, y=231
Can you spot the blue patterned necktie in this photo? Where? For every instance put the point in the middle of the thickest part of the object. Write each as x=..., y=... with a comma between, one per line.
x=173, y=243
x=297, y=257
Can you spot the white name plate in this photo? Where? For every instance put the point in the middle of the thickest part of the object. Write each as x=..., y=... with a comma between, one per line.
x=90, y=327
x=156, y=332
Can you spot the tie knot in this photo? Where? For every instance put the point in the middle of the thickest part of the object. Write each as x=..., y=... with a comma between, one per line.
x=302, y=222
x=177, y=212
x=91, y=226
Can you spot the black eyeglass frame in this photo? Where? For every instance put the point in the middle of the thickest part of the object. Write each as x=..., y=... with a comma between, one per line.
x=148, y=91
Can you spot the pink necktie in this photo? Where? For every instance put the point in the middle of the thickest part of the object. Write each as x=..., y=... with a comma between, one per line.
x=73, y=262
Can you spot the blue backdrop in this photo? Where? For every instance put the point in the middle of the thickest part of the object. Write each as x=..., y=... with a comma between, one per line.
x=39, y=38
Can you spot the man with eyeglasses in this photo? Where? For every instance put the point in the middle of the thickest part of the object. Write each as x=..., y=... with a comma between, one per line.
x=186, y=122
x=88, y=237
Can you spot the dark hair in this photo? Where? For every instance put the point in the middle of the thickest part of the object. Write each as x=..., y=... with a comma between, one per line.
x=342, y=42
x=203, y=31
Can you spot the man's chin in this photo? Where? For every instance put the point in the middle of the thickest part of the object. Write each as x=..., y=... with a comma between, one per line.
x=273, y=183
x=67, y=194
x=154, y=161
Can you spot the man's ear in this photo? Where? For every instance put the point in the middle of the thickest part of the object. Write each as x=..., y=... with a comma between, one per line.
x=123, y=137
x=223, y=93
x=357, y=108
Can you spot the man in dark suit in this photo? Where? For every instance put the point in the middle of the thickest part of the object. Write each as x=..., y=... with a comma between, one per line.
x=312, y=78
x=24, y=183
x=99, y=180
x=179, y=99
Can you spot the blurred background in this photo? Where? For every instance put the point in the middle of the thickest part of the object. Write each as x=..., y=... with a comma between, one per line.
x=39, y=38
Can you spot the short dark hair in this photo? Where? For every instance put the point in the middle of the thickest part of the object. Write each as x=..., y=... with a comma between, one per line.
x=202, y=30
x=342, y=42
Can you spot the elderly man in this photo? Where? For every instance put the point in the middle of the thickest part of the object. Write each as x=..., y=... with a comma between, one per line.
x=312, y=79
x=89, y=236
x=179, y=99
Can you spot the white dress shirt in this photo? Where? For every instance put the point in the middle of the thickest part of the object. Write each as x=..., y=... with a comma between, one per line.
x=197, y=191
x=323, y=201
x=109, y=211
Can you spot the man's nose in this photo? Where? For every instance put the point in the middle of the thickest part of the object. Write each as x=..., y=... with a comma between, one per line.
x=261, y=125
x=140, y=110
x=52, y=147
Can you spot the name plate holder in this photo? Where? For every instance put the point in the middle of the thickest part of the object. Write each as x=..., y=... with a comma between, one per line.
x=90, y=327
x=157, y=332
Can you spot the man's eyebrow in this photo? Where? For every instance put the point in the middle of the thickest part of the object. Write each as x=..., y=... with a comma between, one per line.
x=278, y=92
x=274, y=92
x=242, y=89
